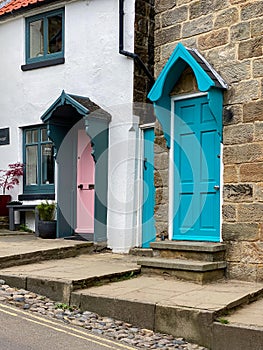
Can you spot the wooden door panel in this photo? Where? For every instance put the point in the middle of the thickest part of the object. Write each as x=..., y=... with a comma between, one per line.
x=197, y=172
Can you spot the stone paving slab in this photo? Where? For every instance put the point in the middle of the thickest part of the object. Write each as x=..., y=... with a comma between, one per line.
x=173, y=306
x=58, y=278
x=176, y=307
x=20, y=249
x=213, y=297
x=76, y=268
x=21, y=243
x=250, y=315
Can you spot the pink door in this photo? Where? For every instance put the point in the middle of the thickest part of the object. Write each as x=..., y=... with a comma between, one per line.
x=85, y=185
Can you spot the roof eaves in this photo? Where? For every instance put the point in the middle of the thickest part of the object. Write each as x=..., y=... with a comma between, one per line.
x=208, y=68
x=12, y=11
x=4, y=3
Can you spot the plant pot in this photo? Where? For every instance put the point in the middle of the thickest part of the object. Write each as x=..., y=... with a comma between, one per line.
x=47, y=229
x=4, y=199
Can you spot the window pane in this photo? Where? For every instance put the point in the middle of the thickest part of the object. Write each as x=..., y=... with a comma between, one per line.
x=29, y=136
x=34, y=135
x=31, y=165
x=47, y=164
x=44, y=136
x=55, y=34
x=36, y=39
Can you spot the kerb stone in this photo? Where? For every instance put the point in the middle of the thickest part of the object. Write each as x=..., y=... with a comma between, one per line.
x=138, y=313
x=193, y=325
x=14, y=281
x=55, y=290
x=236, y=337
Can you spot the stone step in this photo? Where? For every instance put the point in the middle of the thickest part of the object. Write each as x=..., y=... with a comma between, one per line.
x=236, y=336
x=141, y=252
x=4, y=226
x=4, y=223
x=190, y=270
x=100, y=280
x=39, y=255
x=172, y=307
x=4, y=219
x=201, y=251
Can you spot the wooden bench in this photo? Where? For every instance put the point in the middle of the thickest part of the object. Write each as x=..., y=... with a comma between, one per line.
x=22, y=208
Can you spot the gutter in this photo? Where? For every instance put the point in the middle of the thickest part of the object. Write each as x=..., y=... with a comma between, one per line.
x=134, y=56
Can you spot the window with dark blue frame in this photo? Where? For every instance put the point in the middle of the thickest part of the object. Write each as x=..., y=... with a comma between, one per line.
x=38, y=157
x=45, y=37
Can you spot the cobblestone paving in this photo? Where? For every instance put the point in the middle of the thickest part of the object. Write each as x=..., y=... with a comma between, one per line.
x=114, y=329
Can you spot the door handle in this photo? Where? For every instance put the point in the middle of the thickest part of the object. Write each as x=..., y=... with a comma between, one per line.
x=145, y=163
x=216, y=187
x=89, y=188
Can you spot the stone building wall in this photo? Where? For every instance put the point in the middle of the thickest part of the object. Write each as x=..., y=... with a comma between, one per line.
x=229, y=34
x=143, y=47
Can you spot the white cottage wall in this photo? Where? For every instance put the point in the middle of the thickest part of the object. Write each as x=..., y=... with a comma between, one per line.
x=93, y=67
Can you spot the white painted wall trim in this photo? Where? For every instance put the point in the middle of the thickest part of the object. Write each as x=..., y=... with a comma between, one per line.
x=186, y=96
x=171, y=175
x=171, y=159
x=147, y=126
x=221, y=190
x=140, y=187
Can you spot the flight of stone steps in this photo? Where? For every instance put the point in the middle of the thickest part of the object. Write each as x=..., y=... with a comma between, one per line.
x=200, y=262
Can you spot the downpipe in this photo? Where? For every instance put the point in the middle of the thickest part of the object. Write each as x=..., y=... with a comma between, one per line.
x=123, y=52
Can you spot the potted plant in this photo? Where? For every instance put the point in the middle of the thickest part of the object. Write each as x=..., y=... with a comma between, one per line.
x=8, y=179
x=47, y=223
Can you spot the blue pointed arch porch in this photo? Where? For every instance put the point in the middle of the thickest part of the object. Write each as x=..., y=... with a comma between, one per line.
x=60, y=118
x=186, y=188
x=208, y=80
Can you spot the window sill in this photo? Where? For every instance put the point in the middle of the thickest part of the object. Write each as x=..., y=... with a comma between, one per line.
x=42, y=64
x=35, y=196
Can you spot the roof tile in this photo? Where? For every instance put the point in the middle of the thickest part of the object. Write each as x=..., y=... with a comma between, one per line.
x=13, y=5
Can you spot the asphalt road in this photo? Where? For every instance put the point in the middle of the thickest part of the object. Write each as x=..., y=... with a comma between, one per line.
x=21, y=330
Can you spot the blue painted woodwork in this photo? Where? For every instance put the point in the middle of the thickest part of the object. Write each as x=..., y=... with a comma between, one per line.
x=196, y=204
x=46, y=55
x=211, y=83
x=197, y=172
x=65, y=99
x=39, y=187
x=60, y=118
x=148, y=222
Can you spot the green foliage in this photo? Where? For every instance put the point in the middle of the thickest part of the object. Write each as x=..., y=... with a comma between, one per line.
x=15, y=203
x=223, y=320
x=25, y=228
x=46, y=211
x=64, y=306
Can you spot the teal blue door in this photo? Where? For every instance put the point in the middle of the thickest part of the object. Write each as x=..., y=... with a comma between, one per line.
x=196, y=202
x=148, y=222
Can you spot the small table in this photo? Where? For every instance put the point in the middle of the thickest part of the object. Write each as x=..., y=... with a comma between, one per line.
x=22, y=208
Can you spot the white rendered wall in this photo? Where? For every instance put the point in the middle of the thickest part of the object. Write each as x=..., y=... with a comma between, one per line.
x=93, y=68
